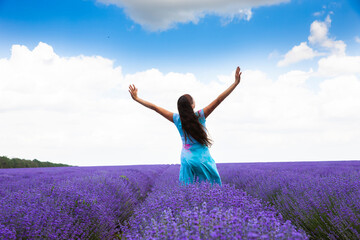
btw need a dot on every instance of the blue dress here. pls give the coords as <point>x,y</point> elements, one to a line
<point>196,161</point>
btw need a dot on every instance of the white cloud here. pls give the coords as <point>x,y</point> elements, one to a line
<point>274,54</point>
<point>320,13</point>
<point>294,78</point>
<point>77,110</point>
<point>357,39</point>
<point>317,14</point>
<point>319,36</point>
<point>245,14</point>
<point>339,65</point>
<point>297,54</point>
<point>165,14</point>
<point>340,98</point>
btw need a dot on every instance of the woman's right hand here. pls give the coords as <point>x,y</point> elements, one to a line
<point>133,91</point>
<point>237,75</point>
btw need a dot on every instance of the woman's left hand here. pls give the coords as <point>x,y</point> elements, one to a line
<point>237,75</point>
<point>133,91</point>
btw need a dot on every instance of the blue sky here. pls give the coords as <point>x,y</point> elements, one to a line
<point>65,67</point>
<point>93,28</point>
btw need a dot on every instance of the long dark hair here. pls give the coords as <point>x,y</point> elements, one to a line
<point>190,123</point>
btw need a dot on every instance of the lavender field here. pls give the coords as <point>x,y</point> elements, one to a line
<point>303,200</point>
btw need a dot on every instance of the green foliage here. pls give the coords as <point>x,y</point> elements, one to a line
<point>125,177</point>
<point>6,162</point>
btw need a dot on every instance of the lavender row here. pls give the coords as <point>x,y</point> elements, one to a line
<point>202,211</point>
<point>71,202</point>
<point>323,198</point>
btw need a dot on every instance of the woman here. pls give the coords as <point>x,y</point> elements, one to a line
<point>196,161</point>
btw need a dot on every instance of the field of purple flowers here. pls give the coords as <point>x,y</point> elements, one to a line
<point>71,202</point>
<point>323,198</point>
<point>307,200</point>
<point>202,211</point>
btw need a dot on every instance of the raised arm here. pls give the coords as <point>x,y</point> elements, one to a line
<point>165,113</point>
<point>222,96</point>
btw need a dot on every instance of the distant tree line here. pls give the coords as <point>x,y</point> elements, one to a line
<point>6,162</point>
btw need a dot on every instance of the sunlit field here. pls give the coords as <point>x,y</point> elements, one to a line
<point>303,200</point>
<point>100,101</point>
